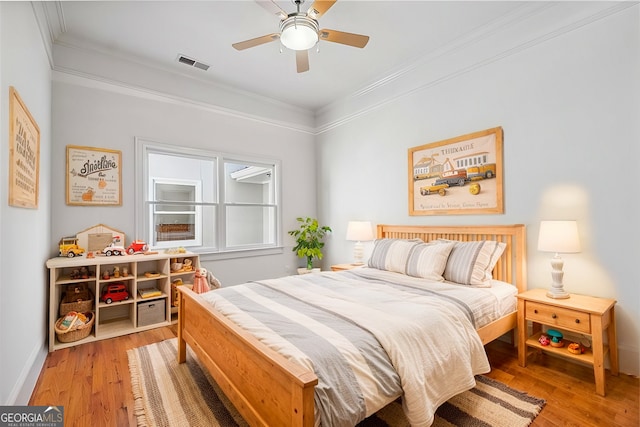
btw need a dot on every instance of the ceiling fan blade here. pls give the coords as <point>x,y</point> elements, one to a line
<point>355,40</point>
<point>318,8</point>
<point>273,8</point>
<point>302,61</point>
<point>256,42</point>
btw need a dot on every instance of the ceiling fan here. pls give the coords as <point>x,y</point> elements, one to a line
<point>300,31</point>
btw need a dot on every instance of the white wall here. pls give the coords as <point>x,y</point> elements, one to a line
<point>99,115</point>
<point>569,107</point>
<point>24,245</point>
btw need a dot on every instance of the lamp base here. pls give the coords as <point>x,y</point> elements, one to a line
<point>558,294</point>
<point>557,290</point>
<point>358,253</point>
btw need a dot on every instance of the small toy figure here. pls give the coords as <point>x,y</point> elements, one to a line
<point>106,275</point>
<point>543,340</point>
<point>200,281</point>
<point>116,272</point>
<point>187,265</point>
<point>556,338</point>
<point>125,271</point>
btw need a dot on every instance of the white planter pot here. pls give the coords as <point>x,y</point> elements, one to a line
<point>305,270</point>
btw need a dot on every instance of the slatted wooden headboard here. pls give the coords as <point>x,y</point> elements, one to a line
<point>512,266</point>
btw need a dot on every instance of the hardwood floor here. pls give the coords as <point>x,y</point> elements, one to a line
<point>92,382</point>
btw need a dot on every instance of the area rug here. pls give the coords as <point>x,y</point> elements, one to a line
<point>170,394</point>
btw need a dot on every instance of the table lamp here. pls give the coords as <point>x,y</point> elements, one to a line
<point>359,231</point>
<point>558,237</point>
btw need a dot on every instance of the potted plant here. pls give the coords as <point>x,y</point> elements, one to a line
<point>309,237</point>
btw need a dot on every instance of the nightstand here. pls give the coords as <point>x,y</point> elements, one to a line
<point>342,267</point>
<point>579,313</point>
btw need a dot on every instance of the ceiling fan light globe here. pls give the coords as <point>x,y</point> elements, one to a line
<point>299,32</point>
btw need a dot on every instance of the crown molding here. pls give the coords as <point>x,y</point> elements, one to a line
<point>467,54</point>
<point>77,78</point>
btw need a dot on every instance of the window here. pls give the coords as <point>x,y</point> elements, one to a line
<point>205,201</point>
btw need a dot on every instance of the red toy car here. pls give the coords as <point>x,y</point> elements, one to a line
<point>114,292</point>
<point>137,246</point>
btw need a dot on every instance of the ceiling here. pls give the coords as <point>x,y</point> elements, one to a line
<point>157,32</point>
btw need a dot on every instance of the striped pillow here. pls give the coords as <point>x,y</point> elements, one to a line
<point>428,260</point>
<point>391,254</point>
<point>471,263</point>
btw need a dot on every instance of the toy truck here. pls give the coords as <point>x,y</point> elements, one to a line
<point>68,246</point>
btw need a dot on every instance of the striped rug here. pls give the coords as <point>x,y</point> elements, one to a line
<point>170,394</point>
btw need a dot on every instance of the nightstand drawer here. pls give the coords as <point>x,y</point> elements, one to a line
<point>560,317</point>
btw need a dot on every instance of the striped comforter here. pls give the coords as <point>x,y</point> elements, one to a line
<point>369,336</point>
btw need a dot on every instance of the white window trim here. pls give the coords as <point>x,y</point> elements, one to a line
<point>197,214</point>
<point>143,146</point>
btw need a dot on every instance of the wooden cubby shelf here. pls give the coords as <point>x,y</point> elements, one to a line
<point>119,317</point>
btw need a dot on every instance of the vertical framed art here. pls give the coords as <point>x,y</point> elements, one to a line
<point>457,176</point>
<point>94,176</point>
<point>24,154</point>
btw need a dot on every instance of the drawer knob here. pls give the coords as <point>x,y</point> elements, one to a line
<point>553,316</point>
<point>535,311</point>
<point>577,320</point>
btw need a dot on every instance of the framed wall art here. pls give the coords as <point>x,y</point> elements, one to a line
<point>24,154</point>
<point>94,176</point>
<point>457,176</point>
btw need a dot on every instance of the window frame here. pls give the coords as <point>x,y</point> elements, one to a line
<point>145,146</point>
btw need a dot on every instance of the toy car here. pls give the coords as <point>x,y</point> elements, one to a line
<point>453,177</point>
<point>68,246</point>
<point>137,246</point>
<point>441,189</point>
<point>114,250</point>
<point>116,291</point>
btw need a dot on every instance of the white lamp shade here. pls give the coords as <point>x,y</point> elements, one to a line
<point>559,237</point>
<point>360,231</point>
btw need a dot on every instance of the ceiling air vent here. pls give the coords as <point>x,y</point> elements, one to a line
<point>192,62</point>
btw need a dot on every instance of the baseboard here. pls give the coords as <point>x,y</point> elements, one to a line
<point>23,389</point>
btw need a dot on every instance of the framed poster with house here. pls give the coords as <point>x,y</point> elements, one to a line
<point>24,154</point>
<point>94,176</point>
<point>457,176</point>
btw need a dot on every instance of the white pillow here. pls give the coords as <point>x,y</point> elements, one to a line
<point>471,263</point>
<point>391,254</point>
<point>428,260</point>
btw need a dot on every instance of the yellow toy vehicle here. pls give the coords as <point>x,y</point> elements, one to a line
<point>441,189</point>
<point>68,246</point>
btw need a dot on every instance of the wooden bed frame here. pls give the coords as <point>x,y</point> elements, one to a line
<point>269,390</point>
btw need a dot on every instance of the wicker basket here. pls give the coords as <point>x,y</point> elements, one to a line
<point>71,335</point>
<point>81,302</point>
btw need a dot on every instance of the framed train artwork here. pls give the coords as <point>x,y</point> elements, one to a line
<point>458,176</point>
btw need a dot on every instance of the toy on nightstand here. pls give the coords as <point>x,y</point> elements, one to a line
<point>575,348</point>
<point>556,338</point>
<point>544,340</point>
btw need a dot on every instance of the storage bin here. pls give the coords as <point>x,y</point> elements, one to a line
<point>150,312</point>
<point>76,332</point>
<point>77,297</point>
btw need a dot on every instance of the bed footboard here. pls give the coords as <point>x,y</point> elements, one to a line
<point>266,388</point>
